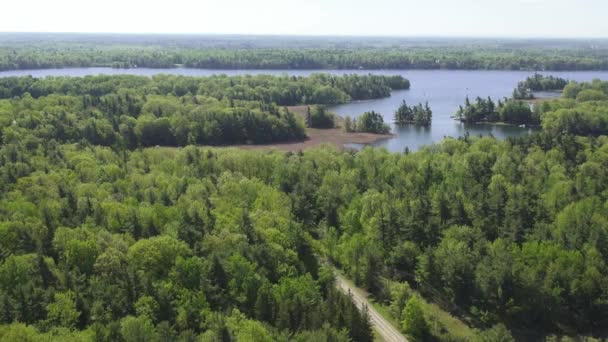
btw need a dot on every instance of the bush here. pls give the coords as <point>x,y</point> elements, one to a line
<point>414,322</point>
<point>319,117</point>
<point>371,122</point>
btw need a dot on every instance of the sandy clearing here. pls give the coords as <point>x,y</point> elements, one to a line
<point>335,136</point>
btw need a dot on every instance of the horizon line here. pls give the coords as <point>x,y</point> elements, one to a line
<point>293,35</point>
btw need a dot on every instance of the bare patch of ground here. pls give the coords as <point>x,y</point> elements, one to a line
<point>333,136</point>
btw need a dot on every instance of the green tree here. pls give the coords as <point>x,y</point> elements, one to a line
<point>137,329</point>
<point>62,311</point>
<point>414,322</point>
<point>498,333</point>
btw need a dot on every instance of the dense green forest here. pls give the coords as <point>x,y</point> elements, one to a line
<point>419,114</point>
<point>537,82</point>
<point>174,110</point>
<point>233,52</point>
<point>159,245</point>
<point>102,241</point>
<point>280,90</point>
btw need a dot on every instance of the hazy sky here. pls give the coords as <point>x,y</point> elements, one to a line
<point>511,18</point>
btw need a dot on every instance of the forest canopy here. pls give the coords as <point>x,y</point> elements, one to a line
<point>136,111</point>
<point>102,242</point>
<point>23,51</point>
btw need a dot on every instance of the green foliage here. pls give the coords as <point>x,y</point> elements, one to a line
<point>400,294</point>
<point>498,333</point>
<point>319,117</point>
<point>133,111</point>
<point>122,94</point>
<point>581,112</point>
<point>538,82</point>
<point>63,312</point>
<point>349,125</point>
<point>414,322</point>
<point>371,122</point>
<point>30,51</point>
<point>485,110</point>
<point>189,243</point>
<point>591,95</point>
<point>572,90</point>
<point>419,114</point>
<point>137,329</point>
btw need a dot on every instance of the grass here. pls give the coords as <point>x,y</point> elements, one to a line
<point>377,337</point>
<point>444,326</point>
<point>383,310</point>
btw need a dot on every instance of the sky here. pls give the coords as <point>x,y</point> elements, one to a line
<point>443,18</point>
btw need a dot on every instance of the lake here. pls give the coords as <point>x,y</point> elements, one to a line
<point>445,90</point>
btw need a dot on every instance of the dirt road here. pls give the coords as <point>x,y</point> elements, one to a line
<point>386,330</point>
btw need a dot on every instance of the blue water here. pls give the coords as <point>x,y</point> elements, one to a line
<point>445,90</point>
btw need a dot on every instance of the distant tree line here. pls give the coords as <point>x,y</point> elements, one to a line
<point>281,90</point>
<point>37,55</point>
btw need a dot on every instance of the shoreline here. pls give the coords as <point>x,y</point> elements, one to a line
<point>316,137</point>
<point>321,69</point>
<point>498,123</point>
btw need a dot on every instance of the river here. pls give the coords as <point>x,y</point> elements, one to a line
<point>445,90</point>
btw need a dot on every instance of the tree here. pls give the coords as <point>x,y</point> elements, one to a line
<point>308,118</point>
<point>137,329</point>
<point>371,122</point>
<point>419,114</point>
<point>414,322</point>
<point>156,255</point>
<point>63,312</point>
<point>400,294</point>
<point>367,332</point>
<point>404,114</point>
<point>320,118</point>
<point>498,333</point>
<point>348,125</point>
<point>264,304</point>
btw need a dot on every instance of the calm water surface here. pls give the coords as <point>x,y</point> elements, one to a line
<point>445,90</point>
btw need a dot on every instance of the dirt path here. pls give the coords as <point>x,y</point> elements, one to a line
<point>385,329</point>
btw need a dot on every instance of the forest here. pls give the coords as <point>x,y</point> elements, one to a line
<point>136,111</point>
<point>104,241</point>
<point>581,110</point>
<point>31,51</point>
